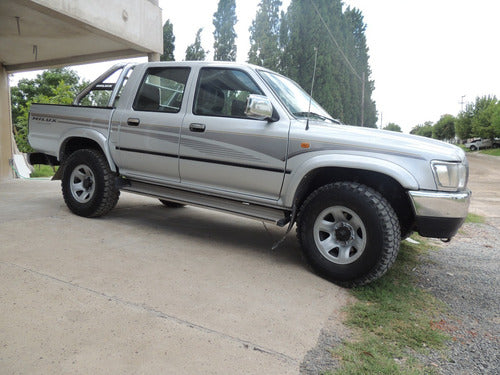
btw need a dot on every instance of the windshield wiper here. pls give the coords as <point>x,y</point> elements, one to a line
<point>316,115</point>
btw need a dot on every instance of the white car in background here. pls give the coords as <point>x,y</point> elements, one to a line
<point>479,143</point>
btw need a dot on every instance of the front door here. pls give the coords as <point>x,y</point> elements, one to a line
<point>222,150</point>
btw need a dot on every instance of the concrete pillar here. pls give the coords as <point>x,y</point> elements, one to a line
<point>5,126</point>
<point>152,57</point>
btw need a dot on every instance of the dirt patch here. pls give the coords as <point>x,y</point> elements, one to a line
<point>464,274</point>
<point>484,181</point>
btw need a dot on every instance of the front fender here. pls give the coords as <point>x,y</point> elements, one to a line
<point>398,173</point>
<point>90,134</point>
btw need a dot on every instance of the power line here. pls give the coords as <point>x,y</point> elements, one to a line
<point>335,41</point>
<point>362,79</point>
<point>462,102</point>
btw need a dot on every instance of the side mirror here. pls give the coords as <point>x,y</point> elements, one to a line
<point>260,108</point>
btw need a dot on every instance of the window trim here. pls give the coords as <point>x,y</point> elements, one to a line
<point>143,80</point>
<point>196,90</point>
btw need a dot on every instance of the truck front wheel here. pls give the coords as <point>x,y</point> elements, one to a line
<point>349,233</point>
<point>88,184</point>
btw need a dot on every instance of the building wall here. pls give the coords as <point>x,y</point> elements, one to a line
<point>69,32</point>
<point>5,126</point>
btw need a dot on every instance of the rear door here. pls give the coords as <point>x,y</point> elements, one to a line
<point>221,149</point>
<point>148,134</point>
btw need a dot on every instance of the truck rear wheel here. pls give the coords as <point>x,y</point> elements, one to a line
<point>349,233</point>
<point>88,184</point>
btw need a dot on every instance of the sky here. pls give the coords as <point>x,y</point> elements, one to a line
<point>426,56</point>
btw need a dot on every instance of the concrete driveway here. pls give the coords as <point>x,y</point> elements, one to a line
<point>151,290</point>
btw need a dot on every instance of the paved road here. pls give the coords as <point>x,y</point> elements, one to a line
<point>150,290</point>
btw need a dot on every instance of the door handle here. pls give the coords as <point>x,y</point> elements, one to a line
<point>199,128</point>
<point>133,121</point>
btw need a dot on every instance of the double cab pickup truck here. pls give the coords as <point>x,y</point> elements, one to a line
<point>245,140</point>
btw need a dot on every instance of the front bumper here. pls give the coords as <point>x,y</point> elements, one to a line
<point>439,214</point>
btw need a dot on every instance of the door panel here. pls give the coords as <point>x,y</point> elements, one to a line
<point>148,134</point>
<point>223,150</point>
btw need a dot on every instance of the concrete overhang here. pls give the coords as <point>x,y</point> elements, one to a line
<point>36,34</point>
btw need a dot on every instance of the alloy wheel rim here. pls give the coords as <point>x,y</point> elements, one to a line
<point>82,183</point>
<point>339,235</point>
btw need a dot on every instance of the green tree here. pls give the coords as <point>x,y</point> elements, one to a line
<point>444,129</point>
<point>168,42</point>
<point>358,51</point>
<point>224,34</point>
<point>495,120</point>
<point>284,41</point>
<point>393,127</point>
<point>55,86</point>
<point>424,130</point>
<point>264,35</point>
<point>482,125</point>
<point>463,125</point>
<point>338,82</point>
<point>43,84</point>
<point>195,52</point>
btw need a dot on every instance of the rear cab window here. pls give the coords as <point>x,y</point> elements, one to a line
<point>162,90</point>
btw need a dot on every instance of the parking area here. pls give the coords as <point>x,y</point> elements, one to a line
<point>150,290</point>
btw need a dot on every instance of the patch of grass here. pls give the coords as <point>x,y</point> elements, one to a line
<point>473,218</point>
<point>392,318</point>
<point>491,151</point>
<point>463,147</point>
<point>41,170</point>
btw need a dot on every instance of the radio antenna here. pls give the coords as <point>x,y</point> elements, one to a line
<point>312,87</point>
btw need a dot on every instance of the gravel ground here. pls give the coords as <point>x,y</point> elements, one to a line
<point>464,274</point>
<point>320,359</point>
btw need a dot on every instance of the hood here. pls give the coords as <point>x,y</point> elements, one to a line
<point>371,140</point>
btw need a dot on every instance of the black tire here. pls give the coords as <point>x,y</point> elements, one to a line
<point>88,184</point>
<point>171,204</point>
<point>364,233</point>
<point>473,148</point>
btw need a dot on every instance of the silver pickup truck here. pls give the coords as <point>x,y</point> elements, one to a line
<point>245,140</point>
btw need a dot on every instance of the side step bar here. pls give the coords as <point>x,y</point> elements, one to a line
<point>273,215</point>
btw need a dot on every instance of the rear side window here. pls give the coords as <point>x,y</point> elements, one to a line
<point>162,90</point>
<point>223,92</point>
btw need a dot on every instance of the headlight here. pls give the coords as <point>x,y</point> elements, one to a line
<point>449,176</point>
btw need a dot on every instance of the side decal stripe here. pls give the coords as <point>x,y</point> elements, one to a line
<point>220,162</point>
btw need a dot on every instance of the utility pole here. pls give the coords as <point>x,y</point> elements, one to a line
<point>363,99</point>
<point>462,103</point>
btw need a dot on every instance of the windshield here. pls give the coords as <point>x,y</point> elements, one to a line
<point>295,99</point>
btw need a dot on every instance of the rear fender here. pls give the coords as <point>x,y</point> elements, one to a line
<point>90,134</point>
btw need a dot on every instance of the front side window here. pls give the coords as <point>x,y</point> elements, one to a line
<point>223,92</point>
<point>162,90</point>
